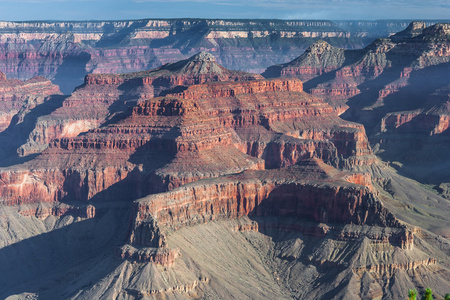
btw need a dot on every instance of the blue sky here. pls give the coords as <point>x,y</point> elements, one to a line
<point>279,9</point>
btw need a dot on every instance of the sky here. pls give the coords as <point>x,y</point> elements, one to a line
<point>25,10</point>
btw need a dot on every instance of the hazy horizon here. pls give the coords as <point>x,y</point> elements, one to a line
<point>101,10</point>
<point>237,19</point>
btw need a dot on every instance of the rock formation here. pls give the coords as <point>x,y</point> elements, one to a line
<point>380,69</point>
<point>18,96</point>
<point>294,192</point>
<point>318,59</point>
<point>79,48</point>
<point>257,155</point>
<point>104,96</point>
<point>206,130</point>
<point>397,87</point>
<point>21,102</point>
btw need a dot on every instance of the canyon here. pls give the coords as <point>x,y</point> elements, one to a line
<point>397,87</point>
<point>67,51</point>
<point>192,181</point>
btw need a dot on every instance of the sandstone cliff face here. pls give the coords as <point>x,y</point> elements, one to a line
<point>416,121</point>
<point>205,131</point>
<point>295,193</point>
<point>106,95</point>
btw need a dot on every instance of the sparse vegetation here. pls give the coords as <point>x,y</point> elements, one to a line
<point>428,294</point>
<point>412,294</point>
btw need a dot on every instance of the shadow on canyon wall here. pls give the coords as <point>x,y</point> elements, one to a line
<point>421,84</point>
<point>71,72</point>
<point>20,128</point>
<point>81,251</point>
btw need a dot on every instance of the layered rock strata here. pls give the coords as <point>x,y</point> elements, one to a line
<point>22,96</point>
<point>79,48</point>
<point>381,69</point>
<point>305,192</point>
<point>103,96</point>
<point>205,131</point>
<point>236,176</point>
<point>397,87</point>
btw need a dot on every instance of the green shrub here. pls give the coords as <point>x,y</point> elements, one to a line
<point>428,294</point>
<point>412,294</point>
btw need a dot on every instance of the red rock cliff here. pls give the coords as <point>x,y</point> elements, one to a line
<point>208,130</point>
<point>258,194</point>
<point>105,95</point>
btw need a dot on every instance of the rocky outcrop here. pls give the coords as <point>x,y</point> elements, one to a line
<point>197,69</point>
<point>415,121</point>
<point>163,257</point>
<point>44,210</point>
<point>352,72</point>
<point>379,236</point>
<point>56,183</point>
<point>414,29</point>
<point>104,96</point>
<point>22,96</point>
<point>300,193</point>
<point>205,131</point>
<point>318,59</point>
<point>389,270</point>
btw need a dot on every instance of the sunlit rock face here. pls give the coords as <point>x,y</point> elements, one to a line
<point>104,95</point>
<point>206,130</point>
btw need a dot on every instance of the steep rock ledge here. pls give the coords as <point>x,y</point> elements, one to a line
<point>208,130</point>
<point>105,96</point>
<point>305,192</point>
